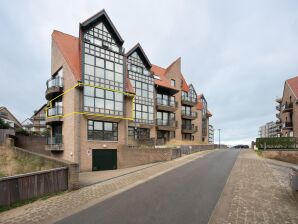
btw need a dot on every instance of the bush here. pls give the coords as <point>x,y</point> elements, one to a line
<point>276,143</point>
<point>3,124</point>
<point>22,131</point>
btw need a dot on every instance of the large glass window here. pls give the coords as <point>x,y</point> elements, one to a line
<point>102,130</point>
<point>103,66</point>
<point>143,84</point>
<point>103,101</point>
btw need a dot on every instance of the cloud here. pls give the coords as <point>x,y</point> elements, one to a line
<point>238,53</point>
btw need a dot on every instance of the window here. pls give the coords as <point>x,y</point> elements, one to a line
<point>143,83</point>
<point>173,82</point>
<point>101,130</point>
<point>103,101</point>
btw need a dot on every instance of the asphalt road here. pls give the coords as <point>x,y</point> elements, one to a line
<point>185,195</point>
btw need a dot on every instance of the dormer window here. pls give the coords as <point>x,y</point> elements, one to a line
<point>173,82</point>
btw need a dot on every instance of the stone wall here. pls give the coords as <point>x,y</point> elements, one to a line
<point>188,149</point>
<point>286,156</point>
<point>129,157</point>
<point>32,143</point>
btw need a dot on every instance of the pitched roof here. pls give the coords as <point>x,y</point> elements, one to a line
<point>293,84</point>
<point>102,15</point>
<point>16,121</point>
<point>69,47</point>
<point>37,111</point>
<point>185,87</point>
<point>138,48</point>
<point>199,105</point>
<point>163,80</point>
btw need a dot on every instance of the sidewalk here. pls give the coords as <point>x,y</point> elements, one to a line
<point>54,208</point>
<point>89,178</point>
<point>254,194</point>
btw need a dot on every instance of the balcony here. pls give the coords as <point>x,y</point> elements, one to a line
<point>278,100</point>
<point>189,115</point>
<point>54,143</point>
<point>189,129</point>
<point>277,115</point>
<point>166,125</point>
<point>54,114</point>
<point>39,117</point>
<point>54,87</point>
<point>186,100</point>
<point>166,105</point>
<point>288,107</point>
<point>287,125</point>
<point>278,107</point>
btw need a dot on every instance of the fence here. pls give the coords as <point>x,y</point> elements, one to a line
<point>25,186</point>
<point>30,185</point>
<point>4,133</point>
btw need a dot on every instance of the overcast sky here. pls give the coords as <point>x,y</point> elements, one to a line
<point>238,53</point>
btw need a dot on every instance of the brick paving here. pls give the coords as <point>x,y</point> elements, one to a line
<point>253,194</point>
<point>47,211</point>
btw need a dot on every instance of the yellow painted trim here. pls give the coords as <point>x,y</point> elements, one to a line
<point>49,106</point>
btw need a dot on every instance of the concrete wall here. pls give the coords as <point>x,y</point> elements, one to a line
<point>129,157</point>
<point>32,143</point>
<point>188,149</point>
<point>286,156</point>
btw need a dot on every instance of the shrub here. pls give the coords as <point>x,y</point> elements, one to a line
<point>3,124</point>
<point>22,131</point>
<point>276,143</point>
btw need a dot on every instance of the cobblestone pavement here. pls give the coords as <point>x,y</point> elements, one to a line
<point>253,194</point>
<point>51,209</point>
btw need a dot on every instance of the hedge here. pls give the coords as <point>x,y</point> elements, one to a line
<point>276,143</point>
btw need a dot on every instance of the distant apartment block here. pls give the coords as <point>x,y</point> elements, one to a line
<point>101,97</point>
<point>287,109</point>
<point>270,129</point>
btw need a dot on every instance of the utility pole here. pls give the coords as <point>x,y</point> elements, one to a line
<point>219,138</point>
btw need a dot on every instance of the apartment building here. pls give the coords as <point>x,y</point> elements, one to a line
<point>287,110</point>
<point>100,97</point>
<point>9,118</point>
<point>270,129</point>
<point>39,120</point>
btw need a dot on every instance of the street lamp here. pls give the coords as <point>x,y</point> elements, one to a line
<point>219,138</point>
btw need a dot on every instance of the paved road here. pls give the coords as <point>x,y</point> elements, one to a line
<point>187,194</point>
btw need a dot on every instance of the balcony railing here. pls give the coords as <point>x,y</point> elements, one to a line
<point>165,102</point>
<point>288,124</point>
<point>189,128</point>
<point>189,100</point>
<point>169,123</point>
<point>54,140</point>
<point>55,82</point>
<point>288,107</point>
<point>189,114</point>
<point>278,107</point>
<point>54,111</point>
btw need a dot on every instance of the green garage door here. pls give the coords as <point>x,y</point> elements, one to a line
<point>104,159</point>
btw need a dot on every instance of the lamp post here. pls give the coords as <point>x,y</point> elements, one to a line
<point>219,138</point>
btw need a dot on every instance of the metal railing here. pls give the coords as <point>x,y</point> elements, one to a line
<point>189,113</point>
<point>166,102</point>
<point>54,140</point>
<point>55,82</point>
<point>57,110</point>
<point>170,123</point>
<point>189,99</point>
<point>189,127</point>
